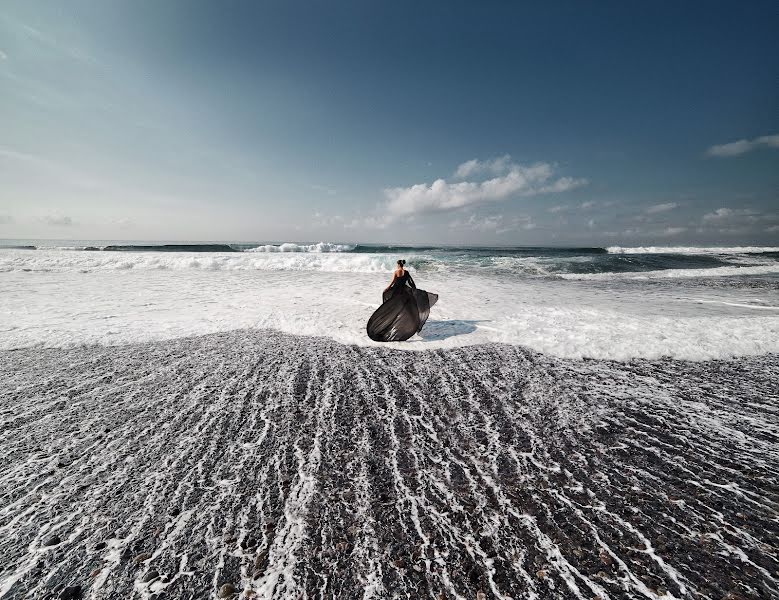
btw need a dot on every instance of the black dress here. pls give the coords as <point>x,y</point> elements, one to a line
<point>403,312</point>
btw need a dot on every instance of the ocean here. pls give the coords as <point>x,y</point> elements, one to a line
<point>201,420</point>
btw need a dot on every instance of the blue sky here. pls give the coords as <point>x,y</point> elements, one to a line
<point>408,122</point>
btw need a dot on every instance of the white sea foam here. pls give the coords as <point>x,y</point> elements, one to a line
<point>292,247</point>
<point>679,273</point>
<point>52,260</point>
<point>692,250</point>
<point>111,304</point>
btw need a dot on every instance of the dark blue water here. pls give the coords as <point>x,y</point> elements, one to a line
<point>529,260</point>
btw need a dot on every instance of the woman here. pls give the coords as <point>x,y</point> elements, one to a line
<point>404,310</point>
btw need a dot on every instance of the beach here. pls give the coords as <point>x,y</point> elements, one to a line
<point>570,423</point>
<point>284,467</point>
<point>389,301</point>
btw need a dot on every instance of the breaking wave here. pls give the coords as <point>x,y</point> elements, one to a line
<point>292,247</point>
<point>692,250</point>
<point>679,273</point>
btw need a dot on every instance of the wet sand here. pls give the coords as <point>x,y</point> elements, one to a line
<point>278,466</point>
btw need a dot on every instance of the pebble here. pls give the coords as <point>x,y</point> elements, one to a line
<point>52,541</point>
<point>150,576</point>
<point>72,592</point>
<point>226,590</point>
<point>261,556</point>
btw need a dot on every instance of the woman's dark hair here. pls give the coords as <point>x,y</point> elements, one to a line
<point>401,262</point>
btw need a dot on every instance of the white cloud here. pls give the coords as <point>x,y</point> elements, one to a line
<point>673,230</point>
<point>488,223</point>
<point>559,208</point>
<point>658,208</point>
<point>743,146</point>
<point>726,214</point>
<point>58,220</point>
<point>473,167</point>
<point>442,196</point>
<point>587,205</point>
<point>3,55</point>
<point>738,220</point>
<point>772,229</point>
<point>496,223</point>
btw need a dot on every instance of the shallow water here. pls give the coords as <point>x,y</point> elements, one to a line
<point>58,298</point>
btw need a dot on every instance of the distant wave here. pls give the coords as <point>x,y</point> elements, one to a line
<point>293,247</point>
<point>136,248</point>
<point>216,247</point>
<point>323,247</point>
<point>172,248</point>
<point>691,250</point>
<point>43,261</point>
<point>677,273</point>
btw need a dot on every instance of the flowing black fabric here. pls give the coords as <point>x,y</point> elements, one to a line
<point>403,312</point>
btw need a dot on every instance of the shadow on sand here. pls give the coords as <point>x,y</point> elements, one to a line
<point>440,330</point>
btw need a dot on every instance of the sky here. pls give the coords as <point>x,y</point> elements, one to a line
<point>490,123</point>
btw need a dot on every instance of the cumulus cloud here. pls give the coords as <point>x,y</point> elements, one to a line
<point>495,166</point>
<point>743,146</point>
<point>738,220</point>
<point>440,196</point>
<point>659,208</point>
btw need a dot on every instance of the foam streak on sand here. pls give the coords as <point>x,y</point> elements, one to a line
<point>288,466</point>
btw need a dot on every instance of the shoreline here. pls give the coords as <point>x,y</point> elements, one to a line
<point>280,464</point>
<point>409,347</point>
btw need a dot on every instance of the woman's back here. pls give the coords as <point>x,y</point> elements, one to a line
<point>402,278</point>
